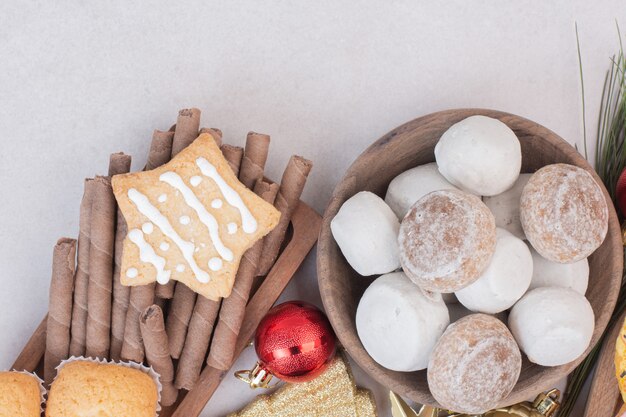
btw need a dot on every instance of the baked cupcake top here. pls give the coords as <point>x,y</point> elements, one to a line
<point>20,395</point>
<point>85,388</point>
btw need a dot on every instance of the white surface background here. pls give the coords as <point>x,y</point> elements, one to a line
<point>324,78</point>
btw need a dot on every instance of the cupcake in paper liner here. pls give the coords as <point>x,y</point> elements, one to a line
<point>87,386</point>
<point>22,394</point>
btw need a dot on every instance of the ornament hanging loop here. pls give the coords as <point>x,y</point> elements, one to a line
<point>547,403</point>
<point>258,377</point>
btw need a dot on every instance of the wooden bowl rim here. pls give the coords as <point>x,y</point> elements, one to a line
<point>546,377</point>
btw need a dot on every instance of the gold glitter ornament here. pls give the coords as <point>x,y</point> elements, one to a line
<point>399,408</point>
<point>332,394</point>
<point>545,405</point>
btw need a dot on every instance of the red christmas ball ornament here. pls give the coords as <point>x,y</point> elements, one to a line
<point>294,342</point>
<point>620,193</point>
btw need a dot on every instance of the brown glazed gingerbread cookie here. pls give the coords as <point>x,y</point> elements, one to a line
<point>446,240</point>
<point>564,213</point>
<point>475,365</point>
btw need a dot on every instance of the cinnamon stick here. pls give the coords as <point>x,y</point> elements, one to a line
<point>100,269</point>
<point>60,306</point>
<point>119,163</point>
<point>178,318</point>
<point>221,354</point>
<point>215,132</point>
<point>288,198</point>
<point>197,342</point>
<point>81,280</point>
<point>187,126</point>
<point>233,155</point>
<point>141,297</point>
<point>254,158</point>
<point>157,353</point>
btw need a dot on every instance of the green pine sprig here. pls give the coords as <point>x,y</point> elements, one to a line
<point>610,161</point>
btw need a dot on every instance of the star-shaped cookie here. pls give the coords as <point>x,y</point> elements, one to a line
<point>189,220</point>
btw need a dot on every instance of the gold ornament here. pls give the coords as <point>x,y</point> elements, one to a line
<point>620,360</point>
<point>332,394</point>
<point>399,408</point>
<point>545,405</point>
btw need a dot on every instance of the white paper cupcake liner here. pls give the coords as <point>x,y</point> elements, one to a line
<point>130,364</point>
<point>42,389</point>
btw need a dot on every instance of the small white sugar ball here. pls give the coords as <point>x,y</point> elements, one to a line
<point>552,325</point>
<point>479,154</point>
<point>408,187</point>
<point>398,324</point>
<point>505,280</point>
<point>366,230</point>
<point>547,273</point>
<point>505,207</point>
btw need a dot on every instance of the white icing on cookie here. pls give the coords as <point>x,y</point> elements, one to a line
<point>147,209</point>
<point>132,272</point>
<point>205,217</point>
<point>248,222</point>
<point>195,180</point>
<point>180,268</point>
<point>162,198</point>
<point>232,228</point>
<point>215,264</point>
<point>147,254</point>
<point>217,203</point>
<point>147,228</point>
<point>164,246</point>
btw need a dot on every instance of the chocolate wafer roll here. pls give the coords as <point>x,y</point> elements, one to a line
<point>288,198</point>
<point>141,297</point>
<point>157,353</point>
<point>183,303</point>
<point>60,306</point>
<point>160,153</point>
<point>233,155</point>
<point>254,158</point>
<point>178,318</point>
<point>234,307</point>
<point>160,149</point>
<point>119,163</point>
<point>187,126</point>
<point>197,342</point>
<point>81,280</point>
<point>215,132</point>
<point>103,212</point>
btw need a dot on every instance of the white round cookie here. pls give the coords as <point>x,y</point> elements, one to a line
<point>480,155</point>
<point>505,207</point>
<point>552,325</point>
<point>505,280</point>
<point>366,230</point>
<point>398,325</point>
<point>408,187</point>
<point>547,273</point>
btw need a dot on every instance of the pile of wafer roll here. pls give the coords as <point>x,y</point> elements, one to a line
<point>168,327</point>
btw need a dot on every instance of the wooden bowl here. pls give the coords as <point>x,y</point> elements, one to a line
<point>413,144</point>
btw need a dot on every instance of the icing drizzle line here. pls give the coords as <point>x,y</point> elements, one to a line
<point>206,218</point>
<point>248,222</point>
<point>154,215</point>
<point>147,254</point>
